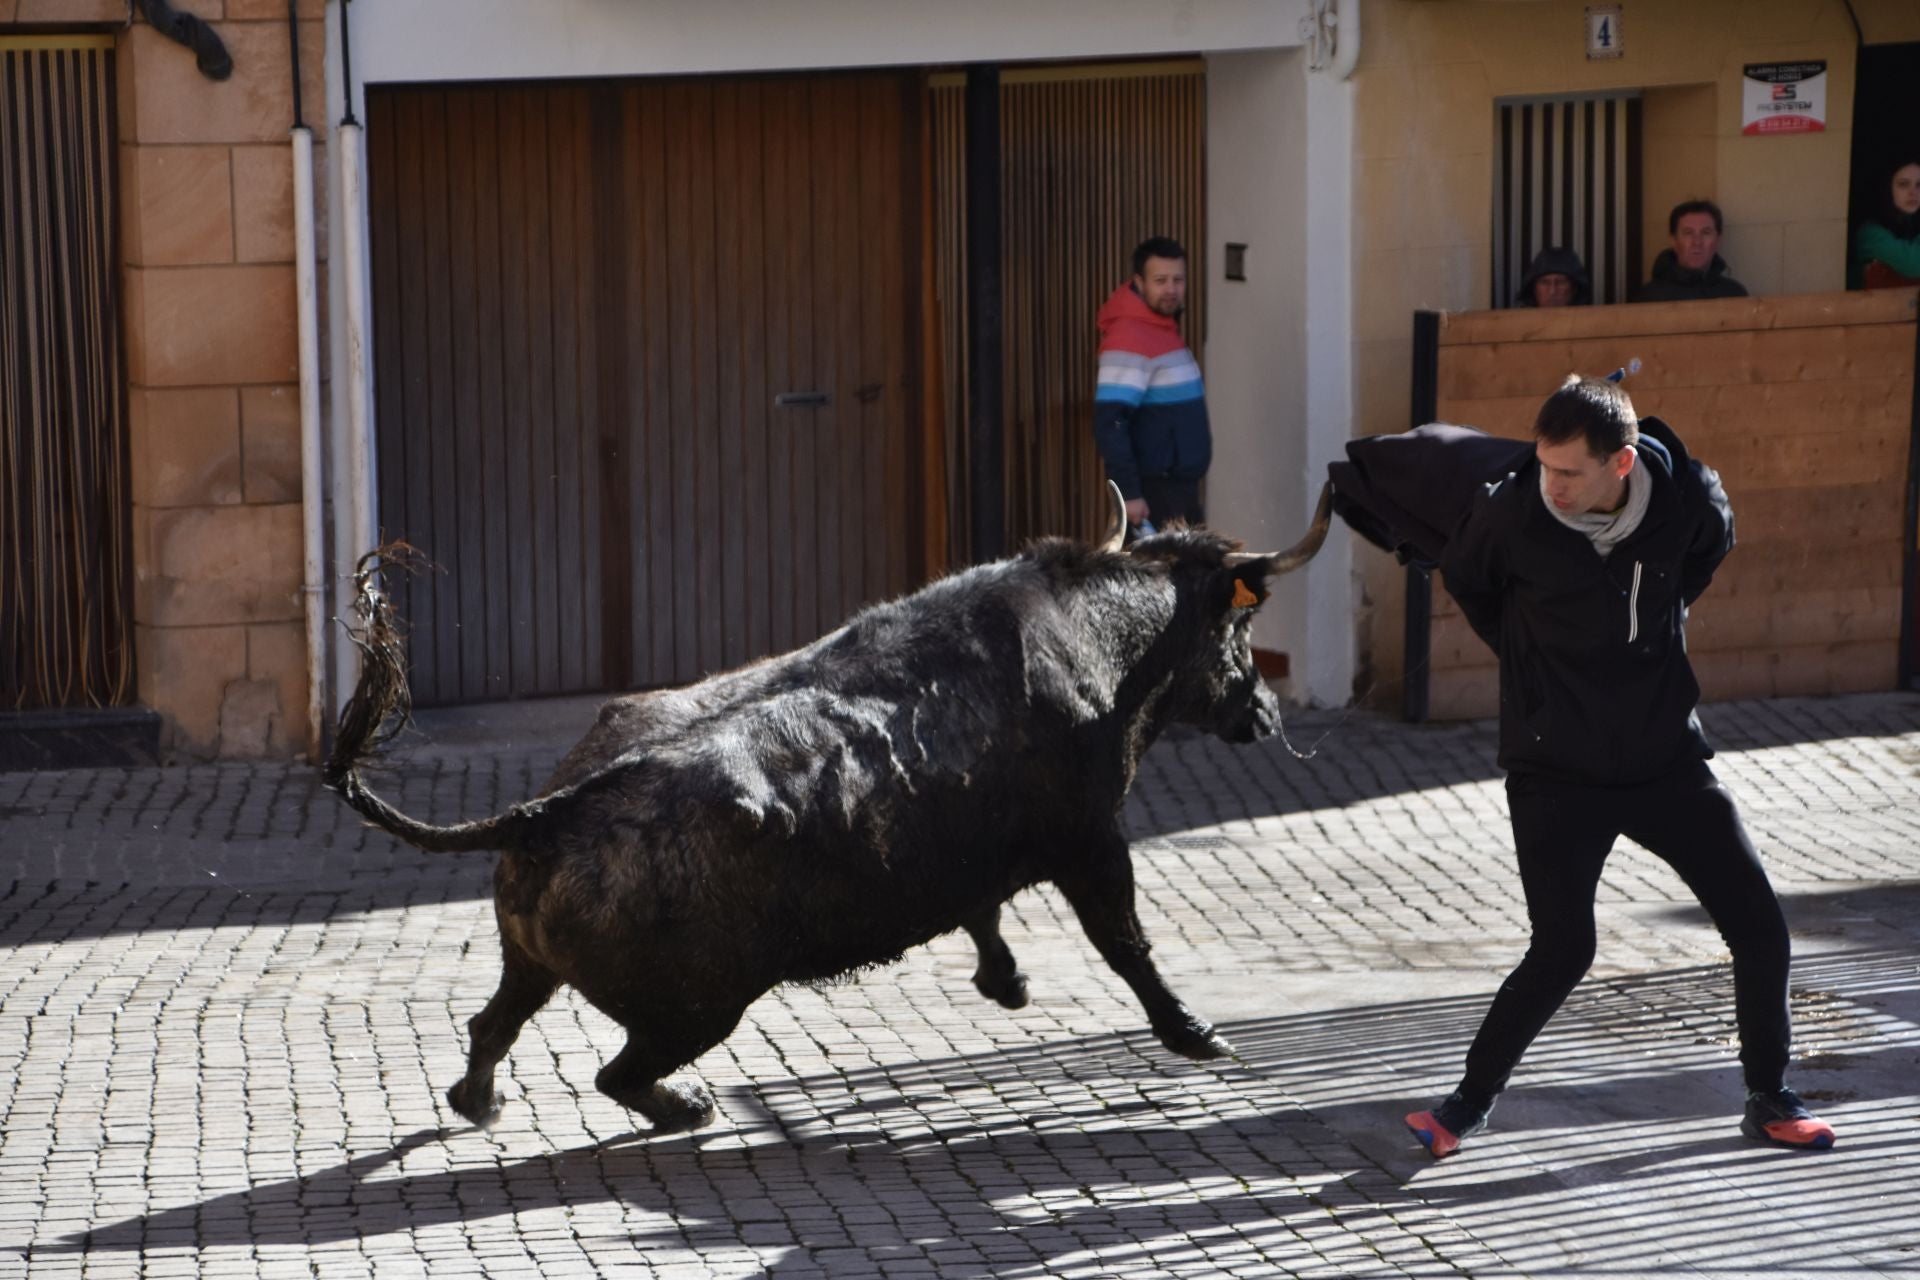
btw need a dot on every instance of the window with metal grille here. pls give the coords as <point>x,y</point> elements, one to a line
<point>1566,173</point>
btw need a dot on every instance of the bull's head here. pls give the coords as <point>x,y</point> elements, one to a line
<point>1219,687</point>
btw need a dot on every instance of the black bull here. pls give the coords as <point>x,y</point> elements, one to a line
<point>825,810</point>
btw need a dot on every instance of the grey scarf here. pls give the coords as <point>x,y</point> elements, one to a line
<point>1607,529</point>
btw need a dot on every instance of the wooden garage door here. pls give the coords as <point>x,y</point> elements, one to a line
<point>646,360</point>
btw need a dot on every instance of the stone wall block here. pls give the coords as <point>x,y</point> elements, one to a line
<point>276,11</point>
<point>132,251</point>
<point>196,326</point>
<point>1449,200</point>
<point>1382,214</point>
<point>270,434</point>
<point>1454,109</point>
<point>263,203</point>
<point>1383,113</point>
<point>69,11</point>
<point>133,333</point>
<point>184,214</point>
<point>220,565</point>
<point>178,104</point>
<point>277,657</point>
<point>252,719</point>
<point>186,446</point>
<point>184,673</point>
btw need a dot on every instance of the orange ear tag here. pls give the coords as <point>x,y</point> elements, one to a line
<point>1243,598</point>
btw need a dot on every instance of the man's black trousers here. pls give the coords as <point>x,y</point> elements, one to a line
<point>1563,833</point>
<point>1170,500</point>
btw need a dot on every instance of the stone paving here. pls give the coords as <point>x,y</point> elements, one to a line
<point>228,1012</point>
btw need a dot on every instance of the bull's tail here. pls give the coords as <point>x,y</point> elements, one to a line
<point>378,712</point>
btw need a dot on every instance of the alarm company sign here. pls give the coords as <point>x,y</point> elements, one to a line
<point>1784,97</point>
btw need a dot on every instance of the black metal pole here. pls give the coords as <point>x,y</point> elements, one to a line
<point>1418,630</point>
<point>985,450</point>
<point>293,56</point>
<point>346,64</point>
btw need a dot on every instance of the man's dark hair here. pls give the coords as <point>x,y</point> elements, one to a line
<point>1686,207</point>
<point>1592,408</point>
<point>1156,247</point>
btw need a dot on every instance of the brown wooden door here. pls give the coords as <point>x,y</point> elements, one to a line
<point>647,368</point>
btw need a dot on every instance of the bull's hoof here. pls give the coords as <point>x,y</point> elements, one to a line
<point>675,1106</point>
<point>1008,990</point>
<point>1195,1040</point>
<point>463,1099</point>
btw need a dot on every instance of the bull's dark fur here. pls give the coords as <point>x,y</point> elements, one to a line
<point>827,809</point>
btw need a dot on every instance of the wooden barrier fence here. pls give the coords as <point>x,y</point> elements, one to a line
<point>1804,404</point>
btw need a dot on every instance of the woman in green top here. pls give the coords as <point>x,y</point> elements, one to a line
<point>1886,252</point>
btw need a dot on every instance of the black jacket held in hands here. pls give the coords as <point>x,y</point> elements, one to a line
<point>1595,685</point>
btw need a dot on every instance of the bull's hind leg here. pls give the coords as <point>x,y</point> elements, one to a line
<point>1101,893</point>
<point>667,1042</point>
<point>998,976</point>
<point>525,985</point>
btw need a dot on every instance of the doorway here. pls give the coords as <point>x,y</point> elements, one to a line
<point>647,364</point>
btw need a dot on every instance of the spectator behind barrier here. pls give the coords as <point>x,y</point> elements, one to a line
<point>1693,267</point>
<point>1886,249</point>
<point>1556,278</point>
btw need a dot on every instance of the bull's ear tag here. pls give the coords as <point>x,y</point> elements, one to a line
<point>1243,598</point>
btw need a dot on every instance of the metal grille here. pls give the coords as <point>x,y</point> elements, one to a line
<point>1567,174</point>
<point>1093,160</point>
<point>66,583</point>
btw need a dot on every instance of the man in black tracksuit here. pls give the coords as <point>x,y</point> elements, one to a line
<point>1577,569</point>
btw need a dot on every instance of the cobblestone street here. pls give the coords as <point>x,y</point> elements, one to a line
<point>228,1013</point>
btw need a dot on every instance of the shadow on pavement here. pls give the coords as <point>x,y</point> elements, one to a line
<point>1622,1126</point>
<point>220,840</point>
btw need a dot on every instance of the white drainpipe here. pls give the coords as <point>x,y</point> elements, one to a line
<point>1346,38</point>
<point>1331,648</point>
<point>312,501</point>
<point>353,499</point>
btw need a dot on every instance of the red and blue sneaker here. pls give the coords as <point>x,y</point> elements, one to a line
<point>1778,1116</point>
<point>1441,1129</point>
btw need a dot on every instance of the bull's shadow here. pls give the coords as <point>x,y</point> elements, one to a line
<point>110,852</point>
<point>1029,1150</point>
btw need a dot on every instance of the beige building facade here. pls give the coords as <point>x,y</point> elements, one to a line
<point>207,318</point>
<point>1431,76</point>
<point>1366,191</point>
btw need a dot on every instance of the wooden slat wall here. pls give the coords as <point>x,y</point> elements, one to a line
<point>1803,405</point>
<point>586,298</point>
<point>1094,159</point>
<point>66,575</point>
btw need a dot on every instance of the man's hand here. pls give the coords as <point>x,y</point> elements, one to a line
<point>1136,510</point>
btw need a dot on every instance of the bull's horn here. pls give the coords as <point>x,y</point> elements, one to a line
<point>1118,537</point>
<point>1300,552</point>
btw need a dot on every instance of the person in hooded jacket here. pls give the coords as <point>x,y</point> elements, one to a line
<point>1693,268</point>
<point>1886,250</point>
<point>1149,406</point>
<point>1577,569</point>
<point>1555,278</point>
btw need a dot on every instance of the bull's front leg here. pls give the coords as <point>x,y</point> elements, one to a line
<point>998,976</point>
<point>1100,891</point>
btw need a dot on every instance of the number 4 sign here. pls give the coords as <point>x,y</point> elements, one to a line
<point>1603,32</point>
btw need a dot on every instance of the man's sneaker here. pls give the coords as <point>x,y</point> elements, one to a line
<point>1441,1129</point>
<point>1778,1116</point>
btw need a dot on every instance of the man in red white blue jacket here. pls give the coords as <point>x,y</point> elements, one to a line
<point>1150,408</point>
